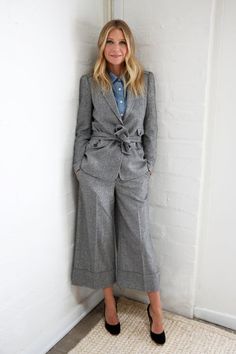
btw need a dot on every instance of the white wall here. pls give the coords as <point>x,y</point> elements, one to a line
<point>45,47</point>
<point>172,41</point>
<point>216,286</point>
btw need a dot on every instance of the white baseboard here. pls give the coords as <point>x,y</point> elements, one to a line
<point>222,319</point>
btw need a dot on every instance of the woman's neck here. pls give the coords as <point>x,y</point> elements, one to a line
<point>116,70</point>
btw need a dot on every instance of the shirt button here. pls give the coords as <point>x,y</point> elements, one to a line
<point>119,89</point>
<point>121,101</point>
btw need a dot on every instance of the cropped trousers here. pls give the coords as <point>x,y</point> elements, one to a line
<point>112,241</point>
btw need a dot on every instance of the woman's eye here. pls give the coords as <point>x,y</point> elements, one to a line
<point>110,41</point>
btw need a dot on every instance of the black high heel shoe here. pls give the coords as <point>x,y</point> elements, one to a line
<point>113,329</point>
<point>158,338</point>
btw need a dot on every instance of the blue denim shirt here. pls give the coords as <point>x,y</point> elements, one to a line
<point>119,92</point>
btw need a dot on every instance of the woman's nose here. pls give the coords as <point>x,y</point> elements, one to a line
<point>116,45</point>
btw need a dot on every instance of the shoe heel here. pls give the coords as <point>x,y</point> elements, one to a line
<point>158,338</point>
<point>112,329</point>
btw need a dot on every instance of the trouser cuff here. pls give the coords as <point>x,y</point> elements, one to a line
<point>138,281</point>
<point>94,280</point>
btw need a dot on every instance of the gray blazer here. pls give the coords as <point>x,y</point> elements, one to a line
<point>106,143</point>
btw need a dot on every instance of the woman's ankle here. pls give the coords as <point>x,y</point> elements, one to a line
<point>109,296</point>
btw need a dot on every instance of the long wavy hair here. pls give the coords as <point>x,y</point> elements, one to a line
<point>133,71</point>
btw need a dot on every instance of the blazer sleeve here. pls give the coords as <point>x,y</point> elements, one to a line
<point>150,124</point>
<point>84,118</point>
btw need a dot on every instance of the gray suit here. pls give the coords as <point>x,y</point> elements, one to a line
<point>114,157</point>
<point>107,144</point>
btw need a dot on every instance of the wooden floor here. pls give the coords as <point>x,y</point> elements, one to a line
<point>86,324</point>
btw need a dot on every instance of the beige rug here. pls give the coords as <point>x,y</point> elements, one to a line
<point>183,336</point>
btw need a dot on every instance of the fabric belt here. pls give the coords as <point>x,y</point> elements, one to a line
<point>121,134</point>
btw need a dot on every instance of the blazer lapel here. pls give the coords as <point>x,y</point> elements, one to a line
<point>110,98</point>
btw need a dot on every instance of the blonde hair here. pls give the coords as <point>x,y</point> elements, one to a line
<point>133,70</point>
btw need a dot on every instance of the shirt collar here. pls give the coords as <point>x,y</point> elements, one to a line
<point>114,77</point>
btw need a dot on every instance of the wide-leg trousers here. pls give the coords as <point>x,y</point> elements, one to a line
<point>113,242</point>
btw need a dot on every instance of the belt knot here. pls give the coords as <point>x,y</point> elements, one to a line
<point>123,135</point>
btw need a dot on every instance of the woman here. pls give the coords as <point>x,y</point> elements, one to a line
<point>114,155</point>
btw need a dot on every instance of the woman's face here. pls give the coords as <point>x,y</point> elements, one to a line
<point>115,49</point>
